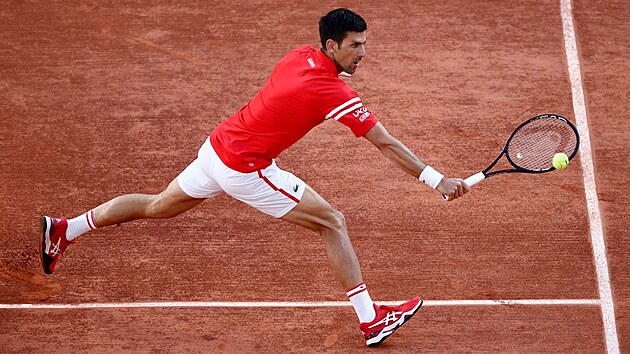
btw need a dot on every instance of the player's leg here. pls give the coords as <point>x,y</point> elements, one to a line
<point>283,195</point>
<point>171,202</point>
<point>190,188</point>
<point>377,322</point>
<point>316,214</point>
<point>58,233</point>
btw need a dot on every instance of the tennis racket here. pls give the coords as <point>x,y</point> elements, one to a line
<point>532,145</point>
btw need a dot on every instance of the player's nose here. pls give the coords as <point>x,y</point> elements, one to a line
<point>361,52</point>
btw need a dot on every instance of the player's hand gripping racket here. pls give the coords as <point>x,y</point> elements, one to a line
<point>532,145</point>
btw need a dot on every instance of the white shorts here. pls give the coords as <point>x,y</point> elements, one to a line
<point>271,190</point>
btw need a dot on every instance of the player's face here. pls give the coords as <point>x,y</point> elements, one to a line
<point>349,54</point>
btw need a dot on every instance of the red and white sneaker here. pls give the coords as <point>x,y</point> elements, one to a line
<point>54,241</point>
<point>387,320</point>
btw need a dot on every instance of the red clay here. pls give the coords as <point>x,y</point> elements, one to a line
<point>99,101</point>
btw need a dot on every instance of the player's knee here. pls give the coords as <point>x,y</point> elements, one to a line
<point>336,221</point>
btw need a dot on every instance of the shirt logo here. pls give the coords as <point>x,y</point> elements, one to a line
<point>295,189</point>
<point>359,111</point>
<point>364,116</point>
<point>311,62</point>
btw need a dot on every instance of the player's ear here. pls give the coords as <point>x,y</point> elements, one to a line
<point>331,46</point>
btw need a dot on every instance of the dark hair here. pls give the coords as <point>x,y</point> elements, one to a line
<point>336,23</point>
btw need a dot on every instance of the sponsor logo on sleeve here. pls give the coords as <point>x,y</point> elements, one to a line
<point>361,113</point>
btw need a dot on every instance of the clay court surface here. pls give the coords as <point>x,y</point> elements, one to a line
<point>99,99</point>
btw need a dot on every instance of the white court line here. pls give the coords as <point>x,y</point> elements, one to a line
<point>299,304</point>
<point>586,158</point>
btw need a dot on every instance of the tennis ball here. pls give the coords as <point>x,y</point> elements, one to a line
<point>560,161</point>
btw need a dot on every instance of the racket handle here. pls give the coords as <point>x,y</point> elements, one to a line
<point>474,179</point>
<point>471,181</point>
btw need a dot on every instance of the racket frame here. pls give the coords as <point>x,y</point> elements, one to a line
<point>519,169</point>
<point>480,176</point>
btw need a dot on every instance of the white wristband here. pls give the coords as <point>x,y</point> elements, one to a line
<point>431,177</point>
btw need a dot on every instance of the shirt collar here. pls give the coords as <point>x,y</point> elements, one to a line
<point>326,62</point>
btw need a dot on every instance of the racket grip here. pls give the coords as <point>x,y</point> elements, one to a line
<point>471,181</point>
<point>474,179</point>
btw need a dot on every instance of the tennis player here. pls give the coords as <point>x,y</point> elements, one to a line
<point>303,91</point>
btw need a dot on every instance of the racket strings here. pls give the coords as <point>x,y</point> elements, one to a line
<point>533,146</point>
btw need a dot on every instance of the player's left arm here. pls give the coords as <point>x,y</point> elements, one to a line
<point>404,158</point>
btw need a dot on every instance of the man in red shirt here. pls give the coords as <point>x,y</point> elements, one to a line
<point>303,91</point>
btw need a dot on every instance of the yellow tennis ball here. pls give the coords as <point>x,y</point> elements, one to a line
<point>560,161</point>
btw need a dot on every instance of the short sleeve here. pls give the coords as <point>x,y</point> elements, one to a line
<point>346,107</point>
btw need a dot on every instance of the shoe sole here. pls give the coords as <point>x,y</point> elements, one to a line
<point>388,331</point>
<point>44,227</point>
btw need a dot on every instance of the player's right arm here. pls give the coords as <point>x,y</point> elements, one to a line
<point>404,158</point>
<point>341,103</point>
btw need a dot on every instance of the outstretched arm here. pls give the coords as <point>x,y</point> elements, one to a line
<point>397,152</point>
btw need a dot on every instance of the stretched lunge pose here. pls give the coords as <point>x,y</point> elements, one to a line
<point>303,91</point>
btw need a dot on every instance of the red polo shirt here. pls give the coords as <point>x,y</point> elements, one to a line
<point>303,91</point>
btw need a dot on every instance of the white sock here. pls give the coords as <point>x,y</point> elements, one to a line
<point>362,303</point>
<point>80,225</point>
